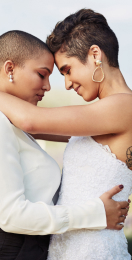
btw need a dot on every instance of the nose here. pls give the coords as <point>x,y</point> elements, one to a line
<point>47,86</point>
<point>68,84</point>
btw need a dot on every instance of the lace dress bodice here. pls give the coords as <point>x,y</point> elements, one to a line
<point>90,169</point>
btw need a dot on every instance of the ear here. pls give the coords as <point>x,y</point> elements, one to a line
<point>96,53</point>
<point>8,67</point>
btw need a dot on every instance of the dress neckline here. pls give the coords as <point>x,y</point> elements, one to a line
<point>108,150</point>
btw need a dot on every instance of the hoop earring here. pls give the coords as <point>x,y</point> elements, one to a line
<point>99,66</point>
<point>11,78</point>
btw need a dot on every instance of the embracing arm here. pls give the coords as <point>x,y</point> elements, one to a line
<point>105,116</point>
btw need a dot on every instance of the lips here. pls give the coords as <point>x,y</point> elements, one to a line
<point>77,89</point>
<point>40,97</point>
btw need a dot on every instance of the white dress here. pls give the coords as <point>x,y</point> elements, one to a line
<point>90,169</point>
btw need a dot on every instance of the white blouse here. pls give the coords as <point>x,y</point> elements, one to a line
<point>29,178</point>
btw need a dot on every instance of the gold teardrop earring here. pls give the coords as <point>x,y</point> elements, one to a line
<point>99,66</point>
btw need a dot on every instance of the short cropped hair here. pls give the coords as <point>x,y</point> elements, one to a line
<point>79,31</point>
<point>19,46</point>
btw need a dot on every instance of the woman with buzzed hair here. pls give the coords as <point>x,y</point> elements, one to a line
<point>29,177</point>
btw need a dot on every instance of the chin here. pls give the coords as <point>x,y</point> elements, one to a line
<point>35,103</point>
<point>88,98</point>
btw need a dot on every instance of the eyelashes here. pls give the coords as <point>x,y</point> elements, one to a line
<point>40,75</point>
<point>68,71</point>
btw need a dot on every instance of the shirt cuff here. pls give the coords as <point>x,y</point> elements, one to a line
<point>90,215</point>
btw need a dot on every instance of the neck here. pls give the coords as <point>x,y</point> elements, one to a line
<point>113,83</point>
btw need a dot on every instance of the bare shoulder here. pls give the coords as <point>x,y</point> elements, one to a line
<point>118,99</point>
<point>114,112</point>
<point>119,102</point>
<point>122,97</point>
<point>122,103</point>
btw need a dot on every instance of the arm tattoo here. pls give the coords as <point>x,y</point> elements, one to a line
<point>129,157</point>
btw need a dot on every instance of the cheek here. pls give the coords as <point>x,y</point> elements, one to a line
<point>23,80</point>
<point>88,76</point>
<point>29,78</point>
<point>31,82</point>
<point>84,74</point>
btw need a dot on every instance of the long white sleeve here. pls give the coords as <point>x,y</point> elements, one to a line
<point>19,215</point>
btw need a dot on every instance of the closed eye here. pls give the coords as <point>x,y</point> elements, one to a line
<point>68,72</point>
<point>41,76</point>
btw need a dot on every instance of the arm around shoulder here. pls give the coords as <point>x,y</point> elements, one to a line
<point>108,115</point>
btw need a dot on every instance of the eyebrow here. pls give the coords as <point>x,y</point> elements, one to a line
<point>46,69</point>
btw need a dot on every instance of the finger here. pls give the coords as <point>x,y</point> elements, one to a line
<point>124,212</point>
<point>122,219</point>
<point>119,227</point>
<point>114,191</point>
<point>123,204</point>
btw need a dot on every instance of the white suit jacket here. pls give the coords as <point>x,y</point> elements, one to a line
<point>29,178</point>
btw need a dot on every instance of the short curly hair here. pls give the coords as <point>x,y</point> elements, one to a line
<point>79,31</point>
<point>20,46</point>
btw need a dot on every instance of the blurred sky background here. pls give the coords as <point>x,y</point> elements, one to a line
<point>39,17</point>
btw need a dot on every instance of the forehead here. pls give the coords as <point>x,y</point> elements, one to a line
<point>46,59</point>
<point>62,61</point>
